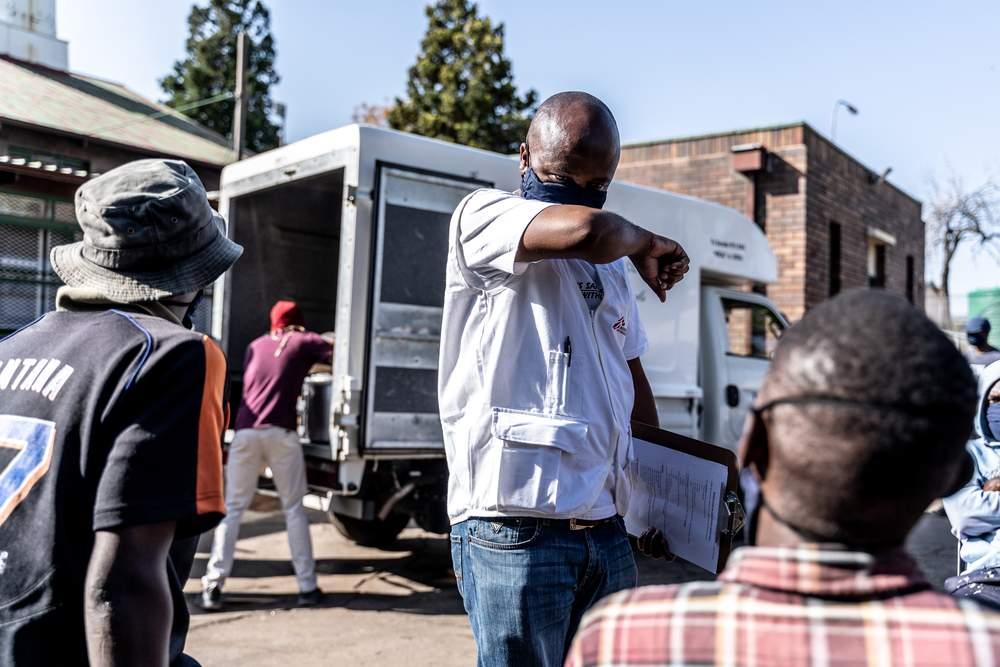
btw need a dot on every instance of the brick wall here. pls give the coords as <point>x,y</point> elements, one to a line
<point>841,190</point>
<point>809,183</point>
<point>703,167</point>
<point>784,214</point>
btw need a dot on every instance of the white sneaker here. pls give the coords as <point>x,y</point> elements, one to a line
<point>211,597</point>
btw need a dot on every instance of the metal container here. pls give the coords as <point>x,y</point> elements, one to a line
<point>314,409</point>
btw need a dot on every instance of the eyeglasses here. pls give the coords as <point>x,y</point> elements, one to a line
<point>832,399</point>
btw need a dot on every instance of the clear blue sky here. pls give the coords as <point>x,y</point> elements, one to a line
<point>924,75</point>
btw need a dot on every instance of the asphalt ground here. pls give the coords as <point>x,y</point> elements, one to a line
<point>388,608</point>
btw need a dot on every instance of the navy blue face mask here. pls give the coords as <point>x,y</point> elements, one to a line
<point>193,308</point>
<point>560,193</point>
<point>993,421</point>
<point>754,503</point>
<point>976,339</point>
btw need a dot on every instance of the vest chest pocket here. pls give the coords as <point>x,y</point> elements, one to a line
<point>531,450</point>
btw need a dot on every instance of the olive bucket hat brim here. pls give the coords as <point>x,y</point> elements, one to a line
<point>194,273</point>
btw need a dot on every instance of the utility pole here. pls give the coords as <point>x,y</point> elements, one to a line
<point>281,111</point>
<point>242,95</point>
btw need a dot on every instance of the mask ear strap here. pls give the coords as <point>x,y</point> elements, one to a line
<point>798,530</point>
<point>760,433</point>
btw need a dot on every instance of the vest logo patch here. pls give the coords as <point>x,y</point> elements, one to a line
<point>620,327</point>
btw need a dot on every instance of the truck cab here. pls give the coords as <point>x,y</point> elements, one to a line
<point>353,225</point>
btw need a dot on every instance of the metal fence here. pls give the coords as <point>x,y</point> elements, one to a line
<point>29,227</point>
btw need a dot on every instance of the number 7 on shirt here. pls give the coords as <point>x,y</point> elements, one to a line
<point>33,440</point>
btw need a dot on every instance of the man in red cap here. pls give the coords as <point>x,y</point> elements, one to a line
<point>273,371</point>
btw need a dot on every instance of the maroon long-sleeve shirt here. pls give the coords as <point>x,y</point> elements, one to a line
<point>273,371</point>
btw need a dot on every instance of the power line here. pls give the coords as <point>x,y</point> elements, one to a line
<point>169,112</point>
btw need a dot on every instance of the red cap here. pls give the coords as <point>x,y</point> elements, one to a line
<point>286,314</point>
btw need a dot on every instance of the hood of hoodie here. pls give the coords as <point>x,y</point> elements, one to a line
<point>988,377</point>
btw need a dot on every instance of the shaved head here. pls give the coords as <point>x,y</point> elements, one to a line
<point>573,135</point>
<point>872,408</point>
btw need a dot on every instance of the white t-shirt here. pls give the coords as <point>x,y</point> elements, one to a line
<point>534,388</point>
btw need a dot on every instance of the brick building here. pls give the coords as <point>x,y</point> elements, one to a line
<point>832,222</point>
<point>57,129</point>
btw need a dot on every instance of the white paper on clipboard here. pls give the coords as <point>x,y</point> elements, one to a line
<point>681,495</point>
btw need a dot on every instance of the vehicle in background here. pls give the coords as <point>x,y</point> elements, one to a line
<point>353,225</point>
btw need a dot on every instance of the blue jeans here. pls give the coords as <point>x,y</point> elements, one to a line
<point>527,582</point>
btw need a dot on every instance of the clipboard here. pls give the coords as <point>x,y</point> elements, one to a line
<point>699,520</point>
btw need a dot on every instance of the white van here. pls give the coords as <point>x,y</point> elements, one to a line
<point>353,225</point>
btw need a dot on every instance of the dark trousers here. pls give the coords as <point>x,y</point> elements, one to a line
<point>979,585</point>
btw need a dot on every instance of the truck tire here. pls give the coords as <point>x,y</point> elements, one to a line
<point>370,533</point>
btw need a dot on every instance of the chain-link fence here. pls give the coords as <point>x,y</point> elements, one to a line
<point>29,228</point>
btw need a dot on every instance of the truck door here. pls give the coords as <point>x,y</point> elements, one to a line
<point>411,249</point>
<point>741,331</point>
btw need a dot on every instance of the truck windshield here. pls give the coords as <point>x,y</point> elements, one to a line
<point>752,329</point>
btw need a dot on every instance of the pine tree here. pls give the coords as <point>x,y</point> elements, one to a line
<point>461,88</point>
<point>209,69</point>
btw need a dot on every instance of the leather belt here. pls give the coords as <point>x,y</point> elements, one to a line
<point>579,524</point>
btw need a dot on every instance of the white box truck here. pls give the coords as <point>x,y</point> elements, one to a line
<point>353,224</point>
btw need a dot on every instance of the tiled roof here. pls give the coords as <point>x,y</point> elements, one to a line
<point>97,109</point>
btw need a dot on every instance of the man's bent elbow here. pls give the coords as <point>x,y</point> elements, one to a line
<point>107,597</point>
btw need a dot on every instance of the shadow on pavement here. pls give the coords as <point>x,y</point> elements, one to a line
<point>934,548</point>
<point>428,562</point>
<point>415,564</point>
<point>258,524</point>
<point>657,572</point>
<point>419,603</point>
<point>411,565</point>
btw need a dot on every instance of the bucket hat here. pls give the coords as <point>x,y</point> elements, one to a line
<point>148,233</point>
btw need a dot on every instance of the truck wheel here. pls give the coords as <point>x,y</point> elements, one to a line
<point>370,533</point>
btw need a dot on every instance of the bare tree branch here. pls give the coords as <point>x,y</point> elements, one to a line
<point>958,217</point>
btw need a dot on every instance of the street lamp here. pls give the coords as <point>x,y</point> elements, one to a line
<point>836,107</point>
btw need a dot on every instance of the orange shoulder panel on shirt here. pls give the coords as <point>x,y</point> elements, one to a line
<point>210,427</point>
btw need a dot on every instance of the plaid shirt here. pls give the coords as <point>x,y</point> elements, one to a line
<point>783,607</point>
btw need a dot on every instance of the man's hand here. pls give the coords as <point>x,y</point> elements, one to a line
<point>652,543</point>
<point>662,264</point>
<point>992,484</point>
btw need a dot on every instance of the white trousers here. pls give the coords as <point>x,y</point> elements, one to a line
<point>279,449</point>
